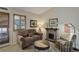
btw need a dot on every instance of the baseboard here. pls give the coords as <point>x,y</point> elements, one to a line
<point>6,44</point>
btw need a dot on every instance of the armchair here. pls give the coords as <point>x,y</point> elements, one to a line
<point>65,43</point>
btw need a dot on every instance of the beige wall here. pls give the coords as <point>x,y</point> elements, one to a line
<point>29,16</point>
<point>64,15</point>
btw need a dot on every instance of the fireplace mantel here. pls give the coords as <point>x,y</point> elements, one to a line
<point>55,29</point>
<point>51,34</point>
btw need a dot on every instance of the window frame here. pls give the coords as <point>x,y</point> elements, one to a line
<point>8,26</point>
<point>20,21</point>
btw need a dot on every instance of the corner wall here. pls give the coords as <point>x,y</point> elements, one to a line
<point>64,15</point>
<point>11,11</point>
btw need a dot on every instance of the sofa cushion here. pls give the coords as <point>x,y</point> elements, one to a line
<point>23,32</point>
<point>31,31</point>
<point>30,34</point>
<point>65,36</point>
<point>36,37</point>
<point>26,42</point>
<point>62,41</point>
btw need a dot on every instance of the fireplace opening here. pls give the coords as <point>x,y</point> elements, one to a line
<point>51,36</point>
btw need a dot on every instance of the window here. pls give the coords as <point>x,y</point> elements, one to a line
<point>19,22</point>
<point>3,32</point>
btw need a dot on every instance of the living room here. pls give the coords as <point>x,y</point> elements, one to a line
<point>41,19</point>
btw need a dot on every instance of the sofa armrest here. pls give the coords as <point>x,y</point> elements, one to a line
<point>40,34</point>
<point>19,39</point>
<point>26,42</point>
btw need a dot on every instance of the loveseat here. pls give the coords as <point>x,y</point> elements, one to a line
<point>26,38</point>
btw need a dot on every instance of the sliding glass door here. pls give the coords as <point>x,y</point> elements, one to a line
<point>4,28</point>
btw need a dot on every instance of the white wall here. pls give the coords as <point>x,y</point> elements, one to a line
<point>64,15</point>
<point>29,16</point>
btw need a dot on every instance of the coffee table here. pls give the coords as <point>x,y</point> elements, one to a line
<point>42,45</point>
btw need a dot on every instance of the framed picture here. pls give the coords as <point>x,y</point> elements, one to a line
<point>33,23</point>
<point>53,22</point>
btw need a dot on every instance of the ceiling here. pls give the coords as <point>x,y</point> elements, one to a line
<point>35,10</point>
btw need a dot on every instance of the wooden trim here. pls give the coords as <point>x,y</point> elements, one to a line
<point>8,24</point>
<point>3,8</point>
<point>8,27</point>
<point>5,12</point>
<point>19,15</point>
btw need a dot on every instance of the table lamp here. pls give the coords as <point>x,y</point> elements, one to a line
<point>39,28</point>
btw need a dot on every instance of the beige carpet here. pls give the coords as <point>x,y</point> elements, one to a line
<point>17,48</point>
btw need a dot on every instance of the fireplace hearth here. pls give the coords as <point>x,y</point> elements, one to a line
<point>51,34</point>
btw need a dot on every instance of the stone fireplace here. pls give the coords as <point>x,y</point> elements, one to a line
<point>51,34</point>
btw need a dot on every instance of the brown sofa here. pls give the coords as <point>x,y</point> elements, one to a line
<point>28,37</point>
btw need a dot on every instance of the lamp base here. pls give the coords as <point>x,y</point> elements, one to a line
<point>39,30</point>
